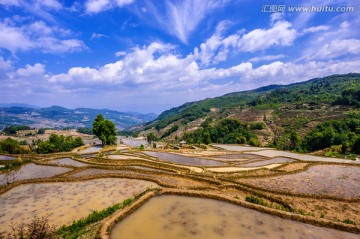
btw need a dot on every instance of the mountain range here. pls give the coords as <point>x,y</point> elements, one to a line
<point>60,117</point>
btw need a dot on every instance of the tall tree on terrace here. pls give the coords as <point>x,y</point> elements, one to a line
<point>105,130</point>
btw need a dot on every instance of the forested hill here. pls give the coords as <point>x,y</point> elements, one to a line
<point>271,113</point>
<point>311,94</point>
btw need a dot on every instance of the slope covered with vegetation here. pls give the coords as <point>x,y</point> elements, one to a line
<point>288,117</point>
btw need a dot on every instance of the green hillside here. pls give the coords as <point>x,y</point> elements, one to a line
<point>281,109</point>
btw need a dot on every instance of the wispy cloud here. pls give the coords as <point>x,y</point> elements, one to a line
<point>179,18</point>
<point>97,36</point>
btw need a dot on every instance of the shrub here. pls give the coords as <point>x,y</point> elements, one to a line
<point>38,228</point>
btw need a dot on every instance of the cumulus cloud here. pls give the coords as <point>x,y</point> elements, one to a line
<point>280,34</point>
<point>218,47</point>
<point>29,71</point>
<point>36,35</point>
<point>96,6</point>
<point>158,67</point>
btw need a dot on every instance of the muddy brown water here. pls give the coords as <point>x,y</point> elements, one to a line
<point>189,217</point>
<point>93,149</point>
<point>266,162</point>
<point>31,170</point>
<point>86,155</point>
<point>65,202</point>
<point>239,156</point>
<point>68,162</point>
<point>95,171</point>
<point>146,168</point>
<point>180,159</point>
<point>134,142</point>
<point>4,157</point>
<point>333,180</point>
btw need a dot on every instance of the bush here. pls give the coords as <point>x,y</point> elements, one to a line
<point>254,142</point>
<point>257,126</point>
<point>38,228</point>
<point>12,146</point>
<point>57,144</point>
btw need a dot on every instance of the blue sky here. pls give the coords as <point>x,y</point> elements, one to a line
<point>148,56</point>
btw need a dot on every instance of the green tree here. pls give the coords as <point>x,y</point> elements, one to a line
<point>105,130</point>
<point>151,138</point>
<point>207,139</point>
<point>295,141</point>
<point>356,146</point>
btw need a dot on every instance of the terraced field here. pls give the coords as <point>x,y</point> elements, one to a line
<point>285,194</point>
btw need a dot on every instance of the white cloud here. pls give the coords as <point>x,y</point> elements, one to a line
<point>37,35</point>
<point>157,67</point>
<point>280,34</point>
<point>217,48</point>
<point>29,71</point>
<point>266,58</point>
<point>10,37</point>
<point>96,6</point>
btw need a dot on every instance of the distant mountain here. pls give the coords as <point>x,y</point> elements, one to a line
<point>18,105</point>
<point>60,117</point>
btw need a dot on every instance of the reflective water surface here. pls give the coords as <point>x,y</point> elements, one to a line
<point>31,170</point>
<point>186,217</point>
<point>180,159</point>
<point>65,202</point>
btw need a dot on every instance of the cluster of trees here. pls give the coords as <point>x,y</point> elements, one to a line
<point>330,90</point>
<point>170,131</point>
<point>105,130</point>
<point>11,146</point>
<point>334,132</point>
<point>349,97</point>
<point>229,131</point>
<point>60,143</point>
<point>84,130</point>
<point>12,130</point>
